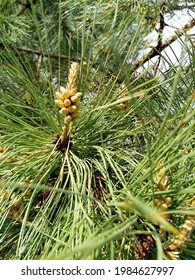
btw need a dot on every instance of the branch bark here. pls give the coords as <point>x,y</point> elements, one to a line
<point>46,54</point>
<point>163,45</point>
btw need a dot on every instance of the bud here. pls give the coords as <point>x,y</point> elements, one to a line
<point>67,102</point>
<point>74,98</point>
<point>72,108</point>
<point>122,106</point>
<point>59,103</point>
<point>79,94</point>
<point>168,201</point>
<point>163,207</point>
<point>59,95</point>
<point>66,94</point>
<point>64,112</point>
<point>72,92</point>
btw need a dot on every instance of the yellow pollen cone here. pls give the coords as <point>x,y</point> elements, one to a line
<point>59,103</point>
<point>72,108</point>
<point>64,112</point>
<point>67,102</point>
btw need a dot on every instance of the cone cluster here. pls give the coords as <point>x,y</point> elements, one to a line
<point>68,100</point>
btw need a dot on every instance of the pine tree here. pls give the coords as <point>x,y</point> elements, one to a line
<point>96,142</point>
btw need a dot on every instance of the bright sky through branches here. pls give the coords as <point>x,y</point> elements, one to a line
<point>175,52</point>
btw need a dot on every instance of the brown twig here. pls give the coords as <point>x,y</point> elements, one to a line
<point>160,47</point>
<point>46,54</point>
<point>160,35</point>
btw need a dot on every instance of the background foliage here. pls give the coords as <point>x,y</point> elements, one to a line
<point>103,195</point>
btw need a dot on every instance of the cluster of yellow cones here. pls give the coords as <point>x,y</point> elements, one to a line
<point>68,100</point>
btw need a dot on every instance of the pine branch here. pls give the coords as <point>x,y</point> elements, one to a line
<point>163,45</point>
<point>154,52</point>
<point>46,54</point>
<point>41,53</point>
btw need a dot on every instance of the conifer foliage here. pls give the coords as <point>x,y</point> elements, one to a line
<point>97,128</point>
